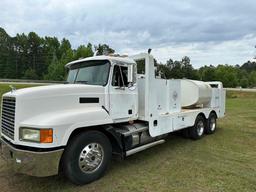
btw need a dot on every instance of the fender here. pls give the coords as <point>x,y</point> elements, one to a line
<point>65,122</point>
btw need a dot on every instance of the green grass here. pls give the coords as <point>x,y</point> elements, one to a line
<point>6,87</point>
<point>225,161</point>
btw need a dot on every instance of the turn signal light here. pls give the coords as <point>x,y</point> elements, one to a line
<point>46,136</point>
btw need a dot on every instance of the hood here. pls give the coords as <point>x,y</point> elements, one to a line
<point>36,102</point>
<point>55,91</point>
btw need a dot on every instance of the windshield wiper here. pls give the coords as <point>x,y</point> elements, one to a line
<point>83,82</point>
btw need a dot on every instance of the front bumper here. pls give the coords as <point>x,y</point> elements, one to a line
<point>39,164</point>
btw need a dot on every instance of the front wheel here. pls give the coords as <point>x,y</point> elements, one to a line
<point>87,157</point>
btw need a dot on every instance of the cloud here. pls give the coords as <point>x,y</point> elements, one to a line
<point>205,53</point>
<point>210,32</point>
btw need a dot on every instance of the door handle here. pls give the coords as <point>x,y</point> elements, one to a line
<point>120,88</point>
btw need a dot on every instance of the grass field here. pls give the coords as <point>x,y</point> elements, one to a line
<point>225,161</point>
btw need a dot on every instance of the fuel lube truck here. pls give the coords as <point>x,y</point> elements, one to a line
<point>110,105</point>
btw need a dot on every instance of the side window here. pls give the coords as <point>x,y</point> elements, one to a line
<point>120,76</point>
<point>141,66</point>
<point>134,73</point>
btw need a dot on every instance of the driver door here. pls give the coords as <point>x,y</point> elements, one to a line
<point>123,95</point>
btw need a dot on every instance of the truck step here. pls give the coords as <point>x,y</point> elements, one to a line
<point>143,147</point>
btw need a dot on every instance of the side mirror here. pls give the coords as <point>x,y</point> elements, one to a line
<point>130,73</point>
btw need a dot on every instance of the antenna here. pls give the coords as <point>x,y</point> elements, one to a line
<point>95,53</point>
<point>255,54</point>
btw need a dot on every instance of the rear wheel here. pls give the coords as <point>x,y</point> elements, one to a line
<point>197,131</point>
<point>87,157</point>
<point>211,124</point>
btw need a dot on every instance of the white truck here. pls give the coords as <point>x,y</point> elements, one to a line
<point>105,108</point>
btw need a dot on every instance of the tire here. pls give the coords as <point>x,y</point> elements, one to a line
<point>211,124</point>
<point>196,132</point>
<point>87,157</point>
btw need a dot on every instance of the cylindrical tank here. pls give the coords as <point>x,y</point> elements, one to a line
<point>195,93</point>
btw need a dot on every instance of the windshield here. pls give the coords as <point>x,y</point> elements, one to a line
<point>89,72</point>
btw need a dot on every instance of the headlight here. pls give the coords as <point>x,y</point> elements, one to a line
<point>28,134</point>
<point>36,135</point>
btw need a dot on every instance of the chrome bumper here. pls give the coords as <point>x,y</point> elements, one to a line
<point>39,164</point>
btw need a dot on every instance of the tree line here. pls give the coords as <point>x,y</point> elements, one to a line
<point>33,57</point>
<point>230,75</point>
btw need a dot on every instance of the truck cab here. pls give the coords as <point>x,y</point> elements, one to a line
<point>117,78</point>
<point>109,105</point>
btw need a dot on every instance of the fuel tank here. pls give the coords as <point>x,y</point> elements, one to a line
<point>195,93</point>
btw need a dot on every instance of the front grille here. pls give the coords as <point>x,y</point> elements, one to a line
<point>8,116</point>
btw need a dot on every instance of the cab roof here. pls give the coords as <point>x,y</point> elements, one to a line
<point>126,60</point>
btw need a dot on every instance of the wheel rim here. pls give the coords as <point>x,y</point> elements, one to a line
<point>91,157</point>
<point>212,124</point>
<point>200,128</point>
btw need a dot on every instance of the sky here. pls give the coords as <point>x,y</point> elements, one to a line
<point>209,32</point>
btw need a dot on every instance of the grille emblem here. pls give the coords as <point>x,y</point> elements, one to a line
<point>13,88</point>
